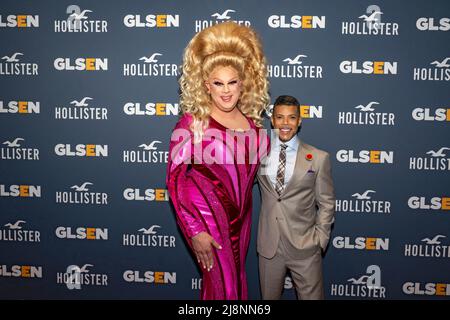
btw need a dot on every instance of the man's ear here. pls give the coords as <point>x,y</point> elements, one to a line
<point>299,122</point>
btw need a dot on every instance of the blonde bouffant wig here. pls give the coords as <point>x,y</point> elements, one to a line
<point>226,45</point>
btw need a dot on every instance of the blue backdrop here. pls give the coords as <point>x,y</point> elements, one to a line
<point>88,99</point>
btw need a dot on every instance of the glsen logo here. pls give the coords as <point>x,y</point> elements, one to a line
<point>82,233</point>
<point>14,233</point>
<point>363,203</point>
<point>434,203</point>
<point>370,24</point>
<point>296,22</point>
<point>156,277</point>
<point>367,116</point>
<point>368,67</point>
<point>152,21</point>
<point>81,195</point>
<point>440,71</point>
<point>148,237</point>
<point>19,21</point>
<point>20,107</point>
<point>81,64</point>
<point>428,24</point>
<point>22,191</point>
<point>306,111</point>
<point>132,194</point>
<point>80,110</point>
<point>13,151</point>
<point>294,68</point>
<point>365,286</point>
<point>75,277</point>
<point>425,114</point>
<point>18,271</point>
<point>149,153</point>
<point>151,109</point>
<point>438,160</point>
<point>78,21</point>
<point>150,68</point>
<point>430,248</point>
<point>365,156</point>
<point>361,243</point>
<point>426,289</point>
<point>219,17</point>
<point>11,66</point>
<point>81,150</point>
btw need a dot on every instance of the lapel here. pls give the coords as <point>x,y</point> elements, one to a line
<point>264,179</point>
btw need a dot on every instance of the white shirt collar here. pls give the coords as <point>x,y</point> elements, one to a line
<point>292,144</point>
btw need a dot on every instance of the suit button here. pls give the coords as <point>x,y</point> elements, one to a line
<point>279,199</point>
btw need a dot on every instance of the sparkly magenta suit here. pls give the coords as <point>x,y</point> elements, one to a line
<point>216,197</point>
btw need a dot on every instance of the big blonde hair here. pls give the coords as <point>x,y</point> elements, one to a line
<point>224,44</point>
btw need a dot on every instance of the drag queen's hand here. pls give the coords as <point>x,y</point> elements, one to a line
<point>202,243</point>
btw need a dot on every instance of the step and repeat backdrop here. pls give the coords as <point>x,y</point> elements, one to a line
<point>88,99</point>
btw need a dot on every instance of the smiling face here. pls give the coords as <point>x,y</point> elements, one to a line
<point>286,119</point>
<point>224,86</point>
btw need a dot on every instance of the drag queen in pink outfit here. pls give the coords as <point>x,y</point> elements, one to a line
<point>216,148</point>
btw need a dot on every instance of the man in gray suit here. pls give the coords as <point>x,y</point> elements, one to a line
<point>297,208</point>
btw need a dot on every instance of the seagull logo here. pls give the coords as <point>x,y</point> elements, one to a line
<point>13,58</point>
<point>442,64</point>
<point>435,240</point>
<point>82,188</point>
<point>15,226</point>
<point>14,143</point>
<point>81,103</point>
<point>296,60</point>
<point>368,107</point>
<point>151,59</point>
<point>150,230</point>
<point>439,153</point>
<point>81,15</point>
<point>363,196</point>
<point>372,18</point>
<point>222,16</point>
<point>361,280</point>
<point>84,269</point>
<point>150,146</point>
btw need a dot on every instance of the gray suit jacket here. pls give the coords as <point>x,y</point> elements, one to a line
<point>304,212</point>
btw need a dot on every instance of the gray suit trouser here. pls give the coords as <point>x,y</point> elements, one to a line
<point>306,275</point>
